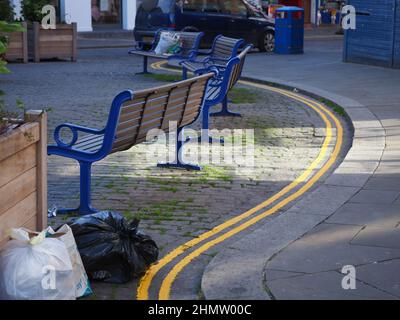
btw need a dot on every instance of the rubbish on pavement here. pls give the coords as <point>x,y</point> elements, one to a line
<point>52,212</point>
<point>33,267</point>
<point>113,250</point>
<point>167,41</point>
<point>64,234</point>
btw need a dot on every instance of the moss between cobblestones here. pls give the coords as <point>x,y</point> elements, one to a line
<point>161,211</point>
<point>243,95</point>
<point>214,173</point>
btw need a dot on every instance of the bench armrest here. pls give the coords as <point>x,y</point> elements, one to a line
<point>192,54</point>
<point>213,69</point>
<point>74,129</point>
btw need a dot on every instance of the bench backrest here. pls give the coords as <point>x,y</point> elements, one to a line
<point>228,77</point>
<point>154,109</point>
<point>238,67</point>
<point>190,41</point>
<point>225,48</point>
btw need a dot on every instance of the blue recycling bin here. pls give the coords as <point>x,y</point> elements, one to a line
<point>289,30</point>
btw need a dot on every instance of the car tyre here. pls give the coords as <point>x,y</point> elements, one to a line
<point>267,42</point>
<point>190,29</point>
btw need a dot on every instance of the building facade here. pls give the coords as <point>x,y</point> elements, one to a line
<point>94,14</point>
<point>120,14</point>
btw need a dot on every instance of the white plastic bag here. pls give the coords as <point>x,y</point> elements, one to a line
<point>167,40</point>
<point>65,235</point>
<point>33,267</point>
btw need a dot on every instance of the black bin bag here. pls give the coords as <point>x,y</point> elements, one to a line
<point>113,250</point>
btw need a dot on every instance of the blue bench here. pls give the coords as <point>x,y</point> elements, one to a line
<point>189,49</point>
<point>218,88</point>
<point>132,116</point>
<point>222,50</point>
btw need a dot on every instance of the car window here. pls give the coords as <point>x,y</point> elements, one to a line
<point>211,6</point>
<point>192,5</point>
<point>163,6</point>
<point>235,7</point>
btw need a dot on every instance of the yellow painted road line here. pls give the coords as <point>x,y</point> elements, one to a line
<point>146,280</point>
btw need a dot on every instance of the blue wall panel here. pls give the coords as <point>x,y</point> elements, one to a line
<point>396,58</point>
<point>373,40</point>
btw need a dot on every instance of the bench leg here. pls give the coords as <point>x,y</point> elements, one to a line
<point>178,163</point>
<point>145,63</point>
<point>224,111</point>
<point>85,194</point>
<point>205,127</point>
<point>184,73</point>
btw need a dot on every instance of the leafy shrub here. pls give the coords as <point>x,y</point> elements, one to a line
<point>6,11</point>
<point>6,27</point>
<point>32,9</point>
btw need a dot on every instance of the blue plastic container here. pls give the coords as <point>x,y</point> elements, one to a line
<point>289,30</point>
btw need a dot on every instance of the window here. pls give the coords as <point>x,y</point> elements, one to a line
<point>163,6</point>
<point>211,6</point>
<point>193,5</point>
<point>235,7</point>
<point>201,5</point>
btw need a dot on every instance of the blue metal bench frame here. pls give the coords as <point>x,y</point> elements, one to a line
<point>111,136</point>
<point>228,75</point>
<point>222,50</point>
<point>191,53</point>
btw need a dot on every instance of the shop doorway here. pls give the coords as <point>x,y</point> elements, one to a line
<point>106,14</point>
<point>306,4</point>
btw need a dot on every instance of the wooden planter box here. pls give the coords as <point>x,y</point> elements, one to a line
<point>58,43</point>
<point>17,49</point>
<point>23,176</point>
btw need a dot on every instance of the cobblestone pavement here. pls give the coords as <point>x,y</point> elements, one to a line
<point>174,205</point>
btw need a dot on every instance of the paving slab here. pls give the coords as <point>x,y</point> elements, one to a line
<point>325,200</point>
<point>328,247</point>
<point>379,236</point>
<point>323,286</point>
<point>384,275</point>
<point>363,214</point>
<point>379,182</point>
<point>375,197</point>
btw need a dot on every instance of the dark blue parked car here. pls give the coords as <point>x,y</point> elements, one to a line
<point>232,18</point>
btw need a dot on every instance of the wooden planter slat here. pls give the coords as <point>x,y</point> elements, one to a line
<point>19,162</point>
<point>19,215</point>
<point>17,190</point>
<point>18,140</point>
<point>23,176</point>
<point>17,48</point>
<point>53,43</point>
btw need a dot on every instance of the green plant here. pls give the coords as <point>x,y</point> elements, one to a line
<point>6,10</point>
<point>243,95</point>
<point>6,27</point>
<point>8,118</point>
<point>32,9</point>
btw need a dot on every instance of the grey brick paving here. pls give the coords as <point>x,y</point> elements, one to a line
<point>174,206</point>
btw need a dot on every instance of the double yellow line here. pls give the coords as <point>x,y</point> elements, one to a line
<point>306,177</point>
